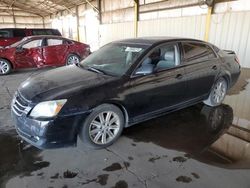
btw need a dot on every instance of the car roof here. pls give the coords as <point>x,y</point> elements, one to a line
<point>44,36</point>
<point>27,29</point>
<point>154,40</point>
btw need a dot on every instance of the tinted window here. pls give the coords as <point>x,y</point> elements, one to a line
<point>5,34</point>
<point>216,48</point>
<point>18,33</point>
<point>42,32</point>
<point>56,32</point>
<point>33,44</point>
<point>54,42</point>
<point>67,42</point>
<point>196,51</point>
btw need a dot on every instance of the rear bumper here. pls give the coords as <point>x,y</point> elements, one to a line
<point>56,133</point>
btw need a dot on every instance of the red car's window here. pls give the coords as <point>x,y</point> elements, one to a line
<point>33,44</point>
<point>54,42</point>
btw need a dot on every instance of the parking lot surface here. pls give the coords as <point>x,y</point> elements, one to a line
<point>195,147</point>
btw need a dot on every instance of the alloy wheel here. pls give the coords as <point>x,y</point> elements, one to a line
<point>73,59</point>
<point>104,128</point>
<point>4,67</point>
<point>219,91</point>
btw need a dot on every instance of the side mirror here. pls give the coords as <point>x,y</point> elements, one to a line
<point>144,70</point>
<point>19,49</point>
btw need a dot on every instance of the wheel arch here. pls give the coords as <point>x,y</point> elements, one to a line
<point>74,53</point>
<point>11,64</point>
<point>228,80</point>
<point>122,108</point>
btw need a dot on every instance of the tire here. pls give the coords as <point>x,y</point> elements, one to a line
<point>72,59</point>
<point>5,67</point>
<point>103,134</point>
<point>214,118</point>
<point>217,93</point>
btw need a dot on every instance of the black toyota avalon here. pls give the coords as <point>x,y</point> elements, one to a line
<point>123,83</point>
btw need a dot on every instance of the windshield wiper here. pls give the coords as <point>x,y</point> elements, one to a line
<point>95,70</point>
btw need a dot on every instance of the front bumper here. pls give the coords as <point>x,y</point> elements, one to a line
<point>56,133</point>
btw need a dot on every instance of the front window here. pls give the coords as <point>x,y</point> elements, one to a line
<point>33,44</point>
<point>166,56</point>
<point>114,58</point>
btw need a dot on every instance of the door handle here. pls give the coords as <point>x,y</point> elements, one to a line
<point>214,67</point>
<point>179,76</point>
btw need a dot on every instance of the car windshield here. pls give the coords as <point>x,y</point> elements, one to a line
<point>114,58</point>
<point>17,43</point>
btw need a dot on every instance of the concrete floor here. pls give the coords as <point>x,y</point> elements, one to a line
<point>195,147</point>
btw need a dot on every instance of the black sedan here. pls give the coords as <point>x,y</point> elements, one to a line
<point>123,83</point>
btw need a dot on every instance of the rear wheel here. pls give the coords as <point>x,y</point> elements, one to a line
<point>217,93</point>
<point>72,59</point>
<point>102,127</point>
<point>5,67</point>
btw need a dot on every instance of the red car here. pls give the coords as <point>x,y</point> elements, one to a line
<point>41,51</point>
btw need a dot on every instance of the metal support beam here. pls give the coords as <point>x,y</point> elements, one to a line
<point>43,22</point>
<point>99,3</point>
<point>96,9</point>
<point>77,23</point>
<point>136,17</point>
<point>208,23</point>
<point>14,17</point>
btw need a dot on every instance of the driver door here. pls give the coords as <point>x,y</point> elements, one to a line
<point>30,54</point>
<point>164,88</point>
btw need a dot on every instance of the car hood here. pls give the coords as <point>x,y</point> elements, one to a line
<point>60,82</point>
<point>6,49</point>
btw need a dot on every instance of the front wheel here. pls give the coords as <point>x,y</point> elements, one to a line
<point>102,127</point>
<point>5,67</point>
<point>217,93</point>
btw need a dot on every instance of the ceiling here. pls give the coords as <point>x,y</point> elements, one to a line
<point>40,7</point>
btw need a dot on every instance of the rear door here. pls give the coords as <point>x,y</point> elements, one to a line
<point>30,54</point>
<point>55,52</point>
<point>201,67</point>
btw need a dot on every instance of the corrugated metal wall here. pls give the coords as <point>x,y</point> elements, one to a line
<point>228,31</point>
<point>111,32</point>
<point>232,31</point>
<point>23,20</point>
<point>191,26</point>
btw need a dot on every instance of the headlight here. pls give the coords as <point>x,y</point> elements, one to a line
<point>47,109</point>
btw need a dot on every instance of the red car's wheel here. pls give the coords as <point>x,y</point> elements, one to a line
<point>72,59</point>
<point>5,67</point>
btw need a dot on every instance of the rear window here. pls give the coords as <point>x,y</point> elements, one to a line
<point>45,32</point>
<point>19,33</point>
<point>5,34</point>
<point>54,42</point>
<point>197,51</point>
<point>42,32</point>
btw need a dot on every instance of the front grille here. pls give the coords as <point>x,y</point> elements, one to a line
<point>19,104</point>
